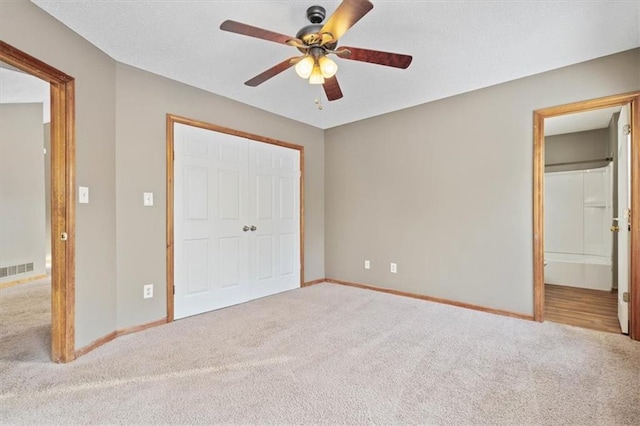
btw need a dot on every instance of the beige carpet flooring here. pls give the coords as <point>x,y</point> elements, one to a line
<point>323,354</point>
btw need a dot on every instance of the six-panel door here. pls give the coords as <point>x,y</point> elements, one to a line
<point>236,220</point>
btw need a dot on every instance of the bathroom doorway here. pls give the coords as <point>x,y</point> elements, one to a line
<point>583,271</point>
<point>579,205</point>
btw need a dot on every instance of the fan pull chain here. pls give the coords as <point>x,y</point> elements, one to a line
<point>318,100</point>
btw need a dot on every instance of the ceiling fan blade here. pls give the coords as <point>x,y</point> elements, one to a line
<point>332,89</point>
<point>345,16</point>
<point>272,72</point>
<point>396,60</point>
<point>248,30</point>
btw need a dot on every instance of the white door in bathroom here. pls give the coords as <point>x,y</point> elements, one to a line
<point>624,203</point>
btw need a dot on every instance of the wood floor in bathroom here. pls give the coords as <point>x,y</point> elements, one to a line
<point>594,309</point>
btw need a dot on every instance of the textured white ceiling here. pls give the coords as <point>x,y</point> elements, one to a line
<point>579,122</point>
<point>17,87</point>
<point>458,46</point>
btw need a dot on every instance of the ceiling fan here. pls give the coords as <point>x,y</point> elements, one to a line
<point>316,42</point>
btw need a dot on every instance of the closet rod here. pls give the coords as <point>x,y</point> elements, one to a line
<point>597,160</point>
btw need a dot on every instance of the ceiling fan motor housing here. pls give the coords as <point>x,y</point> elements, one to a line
<point>310,34</point>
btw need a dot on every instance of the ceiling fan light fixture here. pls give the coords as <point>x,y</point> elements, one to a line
<point>304,68</point>
<point>315,42</point>
<point>316,76</point>
<point>327,67</point>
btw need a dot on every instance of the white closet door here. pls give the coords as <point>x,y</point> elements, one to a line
<point>274,206</point>
<point>210,210</point>
<point>236,220</point>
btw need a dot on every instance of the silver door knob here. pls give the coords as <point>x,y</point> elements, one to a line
<point>245,228</point>
<point>253,228</point>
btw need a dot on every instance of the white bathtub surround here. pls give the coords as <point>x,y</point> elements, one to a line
<point>577,270</point>
<point>578,215</point>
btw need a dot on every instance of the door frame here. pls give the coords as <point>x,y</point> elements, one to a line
<point>176,119</point>
<point>539,115</point>
<point>63,171</point>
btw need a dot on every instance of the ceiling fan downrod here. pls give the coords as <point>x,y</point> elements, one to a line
<point>316,14</point>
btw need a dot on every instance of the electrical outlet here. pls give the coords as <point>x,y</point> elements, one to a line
<point>393,268</point>
<point>367,264</point>
<point>148,291</point>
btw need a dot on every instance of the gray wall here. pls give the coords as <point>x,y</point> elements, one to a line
<point>22,204</point>
<point>445,189</point>
<point>143,100</point>
<point>579,146</point>
<point>47,186</point>
<point>30,29</point>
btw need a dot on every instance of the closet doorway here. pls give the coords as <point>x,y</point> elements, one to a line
<point>586,164</point>
<point>235,226</point>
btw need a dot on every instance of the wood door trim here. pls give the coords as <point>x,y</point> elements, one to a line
<point>634,276</point>
<point>633,99</point>
<point>169,224</point>
<point>173,119</point>
<point>63,166</point>
<point>21,60</point>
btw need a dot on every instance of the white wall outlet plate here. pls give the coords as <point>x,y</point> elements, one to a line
<point>83,195</point>
<point>367,264</point>
<point>147,199</point>
<point>393,268</point>
<point>147,291</point>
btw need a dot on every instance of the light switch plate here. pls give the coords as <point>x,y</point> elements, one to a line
<point>367,264</point>
<point>83,195</point>
<point>147,199</point>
